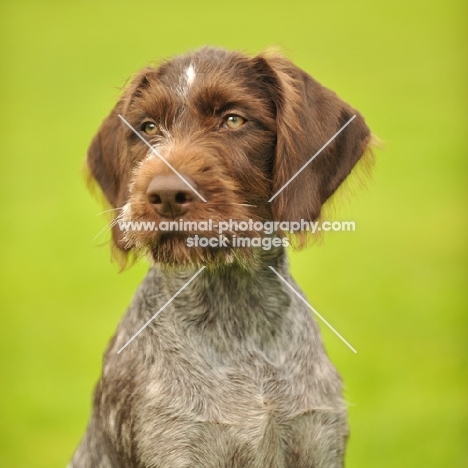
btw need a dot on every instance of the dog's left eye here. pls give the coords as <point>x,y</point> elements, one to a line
<point>150,128</point>
<point>233,121</point>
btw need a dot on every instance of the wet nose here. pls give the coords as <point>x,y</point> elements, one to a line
<point>170,196</point>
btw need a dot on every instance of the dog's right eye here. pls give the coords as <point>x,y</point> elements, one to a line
<point>150,128</point>
<point>233,121</point>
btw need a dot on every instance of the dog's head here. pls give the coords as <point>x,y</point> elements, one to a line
<point>216,135</point>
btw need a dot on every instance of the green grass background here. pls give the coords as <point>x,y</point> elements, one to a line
<point>395,288</point>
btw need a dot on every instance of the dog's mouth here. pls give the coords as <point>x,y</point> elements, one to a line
<point>205,243</point>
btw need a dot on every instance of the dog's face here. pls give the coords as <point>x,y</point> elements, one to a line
<point>212,136</point>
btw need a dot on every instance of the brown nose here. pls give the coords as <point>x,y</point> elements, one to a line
<point>170,196</point>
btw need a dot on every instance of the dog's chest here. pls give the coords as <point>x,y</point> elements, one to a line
<point>235,412</point>
<point>242,412</point>
<point>235,387</point>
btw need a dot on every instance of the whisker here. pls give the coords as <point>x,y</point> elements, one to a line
<point>103,231</point>
<point>108,211</point>
<point>108,226</point>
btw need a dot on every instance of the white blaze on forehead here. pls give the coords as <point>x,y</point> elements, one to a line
<point>190,74</point>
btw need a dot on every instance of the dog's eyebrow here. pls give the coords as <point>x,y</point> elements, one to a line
<point>232,106</point>
<point>156,152</point>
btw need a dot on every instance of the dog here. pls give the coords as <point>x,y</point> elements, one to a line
<point>218,362</point>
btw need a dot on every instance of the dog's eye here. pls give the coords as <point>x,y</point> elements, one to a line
<point>234,121</point>
<point>150,128</point>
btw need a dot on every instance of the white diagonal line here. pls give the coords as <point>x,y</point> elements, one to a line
<point>161,309</point>
<point>313,310</point>
<point>312,158</point>
<point>155,151</point>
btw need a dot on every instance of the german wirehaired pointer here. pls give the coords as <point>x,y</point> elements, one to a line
<point>232,373</point>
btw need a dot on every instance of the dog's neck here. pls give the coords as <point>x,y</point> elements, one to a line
<point>231,303</point>
<point>235,279</point>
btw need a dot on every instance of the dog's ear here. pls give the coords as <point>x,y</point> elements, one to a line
<point>106,165</point>
<point>105,157</point>
<point>308,115</point>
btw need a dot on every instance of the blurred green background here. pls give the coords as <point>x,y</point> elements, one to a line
<point>395,288</point>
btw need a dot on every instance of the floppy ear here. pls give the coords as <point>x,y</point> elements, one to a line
<point>308,115</point>
<point>104,155</point>
<point>107,161</point>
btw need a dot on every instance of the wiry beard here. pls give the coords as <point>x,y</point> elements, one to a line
<point>170,250</point>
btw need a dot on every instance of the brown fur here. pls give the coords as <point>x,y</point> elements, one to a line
<point>294,113</point>
<point>233,373</point>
